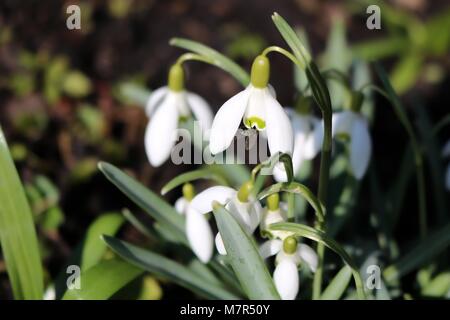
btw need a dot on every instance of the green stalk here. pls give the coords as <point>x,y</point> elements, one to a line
<point>324,175</point>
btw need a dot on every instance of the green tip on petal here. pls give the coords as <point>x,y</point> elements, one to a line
<point>244,191</point>
<point>255,122</point>
<point>290,245</point>
<point>273,201</point>
<point>176,78</point>
<point>188,191</point>
<point>260,73</point>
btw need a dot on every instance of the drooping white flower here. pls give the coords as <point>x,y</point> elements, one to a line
<point>289,255</point>
<point>244,209</point>
<point>308,137</point>
<point>198,230</point>
<point>274,212</point>
<point>446,153</point>
<point>165,107</point>
<point>354,126</point>
<point>257,108</point>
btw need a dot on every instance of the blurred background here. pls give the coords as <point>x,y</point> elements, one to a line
<point>63,106</point>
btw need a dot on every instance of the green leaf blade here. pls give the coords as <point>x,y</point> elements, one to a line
<point>103,280</point>
<point>244,258</point>
<point>17,232</point>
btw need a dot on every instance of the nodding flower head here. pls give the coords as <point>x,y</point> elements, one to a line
<point>198,230</point>
<point>353,126</point>
<point>166,106</point>
<point>257,108</point>
<point>244,208</point>
<point>289,255</point>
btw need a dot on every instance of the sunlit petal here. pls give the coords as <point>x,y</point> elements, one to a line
<point>286,279</point>
<point>202,202</point>
<point>308,255</point>
<point>270,248</point>
<point>342,122</point>
<point>279,128</point>
<point>227,121</point>
<point>161,132</point>
<point>219,245</point>
<point>313,142</point>
<point>199,234</point>
<point>154,99</point>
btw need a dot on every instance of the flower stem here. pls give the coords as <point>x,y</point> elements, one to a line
<point>322,196</point>
<point>286,53</point>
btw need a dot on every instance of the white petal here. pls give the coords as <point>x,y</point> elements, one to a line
<point>272,91</point>
<point>219,245</point>
<point>199,234</point>
<point>360,147</point>
<point>255,105</point>
<point>227,121</point>
<point>446,149</point>
<point>239,210</point>
<point>342,122</point>
<point>202,202</point>
<point>286,279</point>
<point>154,99</point>
<point>447,178</point>
<point>181,205</point>
<point>201,110</point>
<point>256,213</point>
<point>313,142</point>
<point>270,248</point>
<point>308,255</point>
<point>279,128</point>
<point>160,135</point>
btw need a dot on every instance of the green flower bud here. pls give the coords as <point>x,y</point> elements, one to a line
<point>244,191</point>
<point>260,73</point>
<point>273,201</point>
<point>290,245</point>
<point>176,78</point>
<point>188,191</point>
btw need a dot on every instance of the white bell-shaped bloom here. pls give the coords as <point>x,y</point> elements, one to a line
<point>289,255</point>
<point>274,212</point>
<point>354,126</point>
<point>308,138</point>
<point>446,153</point>
<point>165,107</point>
<point>198,230</point>
<point>247,213</point>
<point>256,108</point>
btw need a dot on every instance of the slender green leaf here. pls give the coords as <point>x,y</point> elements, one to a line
<point>216,57</point>
<point>94,248</point>
<point>18,238</point>
<point>438,287</point>
<point>193,175</point>
<point>156,207</point>
<point>237,174</point>
<point>245,260</point>
<point>419,255</point>
<point>103,280</point>
<point>319,236</point>
<point>161,266</point>
<point>337,286</point>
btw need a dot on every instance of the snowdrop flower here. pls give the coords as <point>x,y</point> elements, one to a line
<point>446,153</point>
<point>198,230</point>
<point>256,107</point>
<point>308,137</point>
<point>275,212</point>
<point>166,106</point>
<point>240,204</point>
<point>352,125</point>
<point>289,255</point>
